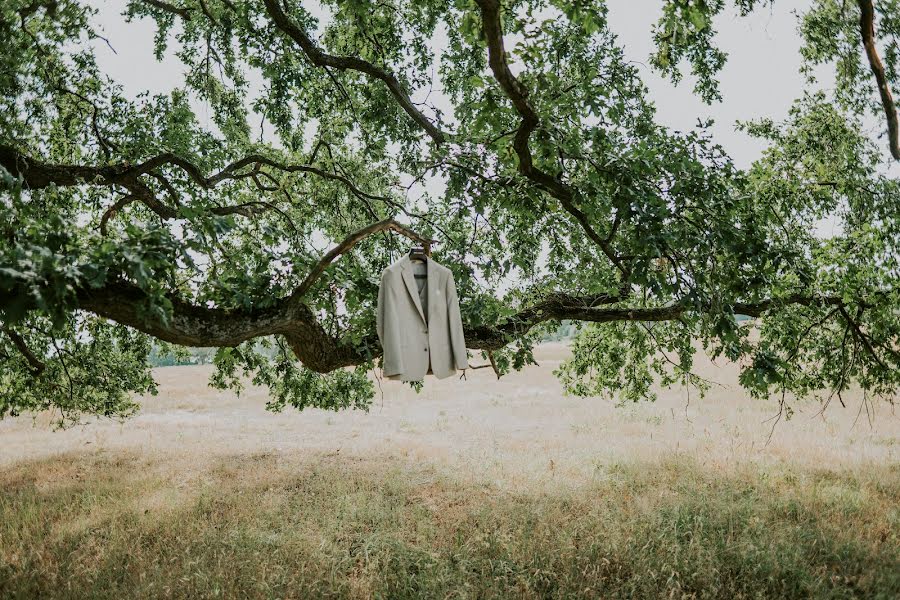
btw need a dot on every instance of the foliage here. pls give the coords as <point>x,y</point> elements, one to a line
<point>288,382</point>
<point>526,144</point>
<point>90,366</point>
<point>168,355</point>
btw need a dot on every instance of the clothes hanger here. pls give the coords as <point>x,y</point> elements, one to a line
<point>419,252</point>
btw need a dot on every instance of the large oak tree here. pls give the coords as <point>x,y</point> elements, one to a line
<point>127,220</point>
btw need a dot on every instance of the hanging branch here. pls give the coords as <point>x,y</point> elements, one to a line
<point>352,63</point>
<point>36,364</point>
<point>518,95</point>
<point>193,324</point>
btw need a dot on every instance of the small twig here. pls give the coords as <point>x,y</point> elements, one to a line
<point>493,363</point>
<point>777,419</point>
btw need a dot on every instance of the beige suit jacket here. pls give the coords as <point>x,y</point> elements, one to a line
<point>410,343</point>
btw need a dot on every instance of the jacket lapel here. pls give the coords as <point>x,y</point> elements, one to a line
<point>432,287</point>
<point>411,287</point>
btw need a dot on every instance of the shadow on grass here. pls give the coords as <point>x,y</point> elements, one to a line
<point>87,525</point>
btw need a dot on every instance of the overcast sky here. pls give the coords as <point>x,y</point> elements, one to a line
<point>760,78</point>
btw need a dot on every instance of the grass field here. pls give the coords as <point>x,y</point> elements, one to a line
<point>472,489</point>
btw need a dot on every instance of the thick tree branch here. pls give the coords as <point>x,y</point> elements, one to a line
<point>38,174</point>
<point>518,94</point>
<point>321,59</point>
<point>194,325</point>
<point>867,29</point>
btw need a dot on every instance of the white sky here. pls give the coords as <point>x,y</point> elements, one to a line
<point>760,79</point>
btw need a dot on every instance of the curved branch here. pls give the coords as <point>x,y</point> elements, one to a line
<point>321,59</point>
<point>230,172</point>
<point>113,210</point>
<point>257,159</point>
<point>36,364</point>
<point>351,63</point>
<point>37,174</point>
<point>867,30</point>
<point>348,243</point>
<point>518,94</point>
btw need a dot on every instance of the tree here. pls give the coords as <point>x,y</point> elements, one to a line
<point>127,219</point>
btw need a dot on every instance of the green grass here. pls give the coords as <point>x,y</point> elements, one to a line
<point>92,526</point>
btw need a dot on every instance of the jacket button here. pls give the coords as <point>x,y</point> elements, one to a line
<point>426,349</point>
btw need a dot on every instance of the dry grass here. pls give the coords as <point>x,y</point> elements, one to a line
<point>474,488</point>
<point>101,526</point>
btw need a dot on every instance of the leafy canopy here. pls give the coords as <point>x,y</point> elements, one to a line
<point>514,133</point>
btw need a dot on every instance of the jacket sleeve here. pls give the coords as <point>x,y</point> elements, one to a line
<point>379,311</point>
<point>387,327</point>
<point>457,339</point>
